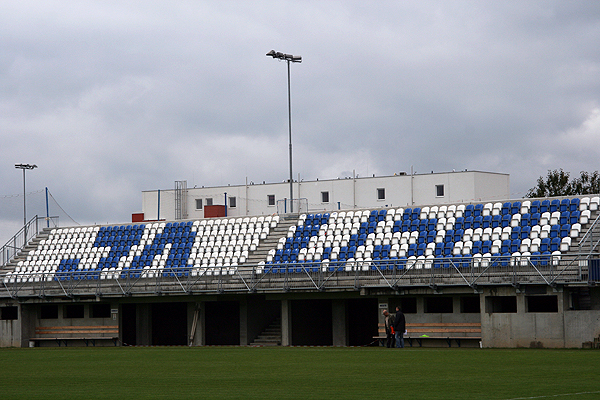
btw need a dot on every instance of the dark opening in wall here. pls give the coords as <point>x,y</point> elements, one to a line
<point>10,312</point>
<point>49,311</point>
<point>73,311</point>
<point>580,298</point>
<point>438,305</point>
<point>501,304</point>
<point>469,305</point>
<point>312,323</point>
<point>362,318</point>
<point>128,324</point>
<point>169,324</point>
<point>542,303</point>
<point>100,311</point>
<point>222,321</point>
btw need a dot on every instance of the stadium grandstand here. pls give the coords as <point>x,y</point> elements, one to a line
<point>493,274</point>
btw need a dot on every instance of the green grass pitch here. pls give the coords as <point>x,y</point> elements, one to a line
<point>298,373</point>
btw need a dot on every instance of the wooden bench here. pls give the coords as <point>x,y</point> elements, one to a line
<point>88,334</point>
<point>448,331</point>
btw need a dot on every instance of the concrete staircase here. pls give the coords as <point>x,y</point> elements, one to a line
<point>281,230</point>
<point>594,235</point>
<point>271,336</point>
<point>31,246</point>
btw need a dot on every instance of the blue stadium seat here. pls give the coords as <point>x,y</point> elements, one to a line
<point>535,207</point>
<point>416,213</point>
<point>574,204</point>
<point>487,222</point>
<point>545,206</point>
<point>574,217</point>
<point>432,224</point>
<point>515,245</point>
<point>469,222</point>
<point>459,223</point>
<point>496,221</point>
<point>565,217</point>
<point>469,211</point>
<point>515,208</point>
<point>373,216</point>
<point>439,249</point>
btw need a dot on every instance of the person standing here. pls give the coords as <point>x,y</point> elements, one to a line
<point>389,328</point>
<point>399,327</point>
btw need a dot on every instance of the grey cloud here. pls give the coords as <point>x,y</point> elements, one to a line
<point>112,98</point>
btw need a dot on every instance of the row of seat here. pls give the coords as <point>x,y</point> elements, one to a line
<point>541,228</point>
<point>465,232</point>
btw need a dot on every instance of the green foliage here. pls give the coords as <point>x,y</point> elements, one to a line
<point>297,373</point>
<point>557,184</point>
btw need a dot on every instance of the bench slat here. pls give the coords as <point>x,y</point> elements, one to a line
<point>442,330</point>
<point>57,330</point>
<point>74,338</point>
<point>444,324</point>
<point>78,327</point>
<point>75,331</point>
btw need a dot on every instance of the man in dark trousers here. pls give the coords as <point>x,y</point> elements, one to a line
<point>399,327</point>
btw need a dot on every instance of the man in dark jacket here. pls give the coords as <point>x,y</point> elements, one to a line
<point>399,327</point>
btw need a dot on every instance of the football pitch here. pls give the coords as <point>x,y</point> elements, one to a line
<point>298,373</point>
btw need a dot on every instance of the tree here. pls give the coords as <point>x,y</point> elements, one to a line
<point>557,184</point>
<point>587,183</point>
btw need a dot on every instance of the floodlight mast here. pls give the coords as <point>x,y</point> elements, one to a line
<point>295,59</point>
<point>25,167</point>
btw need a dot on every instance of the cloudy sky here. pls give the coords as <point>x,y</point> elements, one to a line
<point>110,98</point>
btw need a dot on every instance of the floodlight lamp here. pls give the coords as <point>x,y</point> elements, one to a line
<point>272,53</point>
<point>297,59</point>
<point>25,166</point>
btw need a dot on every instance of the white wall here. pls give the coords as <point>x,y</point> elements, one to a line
<point>400,191</point>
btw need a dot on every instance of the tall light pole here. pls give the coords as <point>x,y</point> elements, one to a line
<point>24,167</point>
<point>295,59</point>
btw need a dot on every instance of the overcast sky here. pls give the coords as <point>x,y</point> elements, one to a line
<point>110,98</point>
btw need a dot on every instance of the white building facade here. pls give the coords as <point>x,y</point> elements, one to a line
<point>328,195</point>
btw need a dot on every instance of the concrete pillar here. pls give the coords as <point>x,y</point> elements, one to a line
<point>521,304</point>
<point>143,324</point>
<point>420,305</point>
<point>339,321</point>
<point>28,320</point>
<point>456,304</point>
<point>286,323</point>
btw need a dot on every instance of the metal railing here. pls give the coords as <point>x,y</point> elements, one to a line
<point>15,244</point>
<point>589,239</point>
<point>350,275</point>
